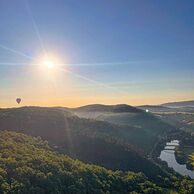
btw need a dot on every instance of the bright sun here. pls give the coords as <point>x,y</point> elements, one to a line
<point>49,63</point>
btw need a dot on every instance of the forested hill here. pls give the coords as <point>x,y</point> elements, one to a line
<point>141,128</point>
<point>96,142</point>
<point>107,108</point>
<point>36,168</point>
<point>28,165</point>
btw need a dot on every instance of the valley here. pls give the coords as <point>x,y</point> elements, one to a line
<point>178,122</point>
<point>118,137</point>
<point>182,118</point>
<point>96,97</point>
<point>89,140</point>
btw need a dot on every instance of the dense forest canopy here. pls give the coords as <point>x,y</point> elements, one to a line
<point>28,165</point>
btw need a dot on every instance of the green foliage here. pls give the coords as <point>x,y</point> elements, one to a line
<point>98,142</point>
<point>29,165</point>
<point>181,157</point>
<point>185,155</point>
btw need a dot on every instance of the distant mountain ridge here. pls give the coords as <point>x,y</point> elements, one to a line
<point>107,108</point>
<point>155,108</point>
<point>179,104</point>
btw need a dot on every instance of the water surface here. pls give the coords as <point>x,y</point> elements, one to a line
<point>168,155</point>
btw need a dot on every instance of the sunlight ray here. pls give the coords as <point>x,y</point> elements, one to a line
<point>12,64</point>
<point>36,29</point>
<point>106,63</point>
<point>16,52</point>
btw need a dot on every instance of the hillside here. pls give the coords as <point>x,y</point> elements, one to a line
<point>142,128</point>
<point>182,120</point>
<point>97,142</point>
<point>29,165</point>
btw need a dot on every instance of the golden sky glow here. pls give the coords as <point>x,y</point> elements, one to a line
<point>49,82</point>
<point>72,57</point>
<point>78,99</point>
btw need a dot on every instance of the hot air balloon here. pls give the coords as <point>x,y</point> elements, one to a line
<point>18,100</point>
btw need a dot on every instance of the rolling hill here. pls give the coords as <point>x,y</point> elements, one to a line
<point>107,108</point>
<point>142,128</point>
<point>98,142</point>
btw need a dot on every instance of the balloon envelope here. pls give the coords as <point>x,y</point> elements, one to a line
<point>18,100</point>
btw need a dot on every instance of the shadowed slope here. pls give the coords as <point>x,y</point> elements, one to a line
<point>91,141</point>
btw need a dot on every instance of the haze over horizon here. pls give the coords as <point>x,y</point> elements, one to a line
<point>73,53</point>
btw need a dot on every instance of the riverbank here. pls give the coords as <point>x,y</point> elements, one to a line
<point>185,155</point>
<point>168,155</point>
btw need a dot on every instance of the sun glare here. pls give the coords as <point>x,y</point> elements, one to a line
<point>49,64</point>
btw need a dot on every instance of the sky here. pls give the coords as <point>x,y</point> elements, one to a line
<point>101,51</point>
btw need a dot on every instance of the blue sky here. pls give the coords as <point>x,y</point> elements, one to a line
<point>126,51</point>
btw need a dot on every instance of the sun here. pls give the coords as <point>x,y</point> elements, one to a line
<point>49,63</point>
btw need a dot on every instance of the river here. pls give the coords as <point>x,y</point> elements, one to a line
<point>168,155</point>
